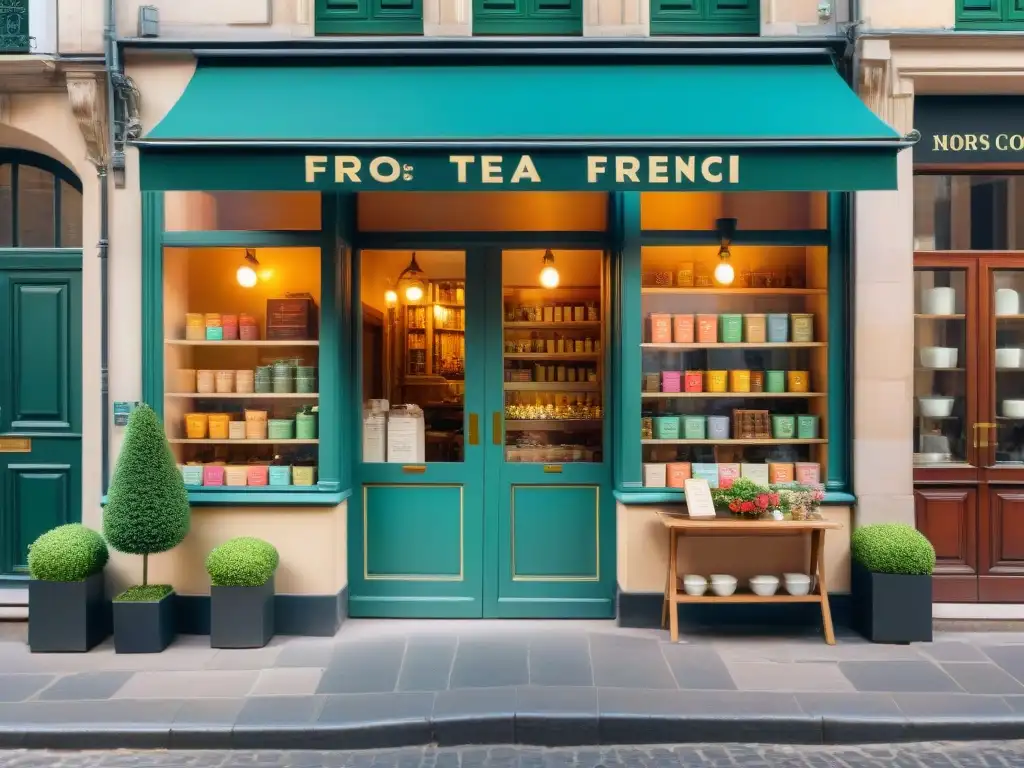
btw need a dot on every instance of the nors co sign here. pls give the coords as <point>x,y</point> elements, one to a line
<point>977,142</point>
<point>522,170</point>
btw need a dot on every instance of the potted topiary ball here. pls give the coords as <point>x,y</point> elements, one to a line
<point>67,608</point>
<point>892,583</point>
<point>242,593</point>
<point>147,512</point>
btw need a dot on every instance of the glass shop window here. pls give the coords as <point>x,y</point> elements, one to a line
<point>968,213</point>
<point>38,209</point>
<point>240,211</point>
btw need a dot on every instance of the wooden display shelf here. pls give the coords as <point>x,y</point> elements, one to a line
<point>746,597</point>
<point>730,395</point>
<point>245,395</point>
<point>733,441</point>
<point>940,317</point>
<point>552,386</point>
<point>711,291</point>
<point>738,345</point>
<point>552,355</point>
<point>247,441</point>
<point>552,326</point>
<point>257,343</point>
<point>550,425</point>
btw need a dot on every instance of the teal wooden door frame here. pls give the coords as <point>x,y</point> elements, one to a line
<point>416,539</point>
<point>549,549</point>
<point>40,398</point>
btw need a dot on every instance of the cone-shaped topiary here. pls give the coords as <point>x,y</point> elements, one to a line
<point>69,552</point>
<point>147,508</point>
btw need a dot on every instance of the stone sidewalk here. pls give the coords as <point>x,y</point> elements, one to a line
<point>402,683</point>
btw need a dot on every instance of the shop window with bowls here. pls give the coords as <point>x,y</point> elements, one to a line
<point>969,381</point>
<point>241,340</point>
<point>735,352</point>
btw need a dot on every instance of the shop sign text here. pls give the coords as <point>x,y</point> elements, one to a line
<point>523,171</point>
<point>960,130</point>
<point>977,142</point>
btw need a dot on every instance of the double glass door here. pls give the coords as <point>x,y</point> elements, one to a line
<point>969,422</point>
<point>483,475</point>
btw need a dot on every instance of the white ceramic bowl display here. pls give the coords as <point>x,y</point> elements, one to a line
<point>938,407</point>
<point>765,586</point>
<point>797,583</point>
<point>695,585</point>
<point>938,357</point>
<point>1007,302</point>
<point>939,301</point>
<point>722,584</point>
<point>1008,357</point>
<point>1014,409</point>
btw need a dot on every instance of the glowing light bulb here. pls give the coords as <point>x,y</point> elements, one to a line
<point>414,292</point>
<point>390,298</point>
<point>724,273</point>
<point>549,277</point>
<point>246,276</point>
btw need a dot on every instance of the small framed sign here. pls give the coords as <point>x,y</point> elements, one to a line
<point>698,498</point>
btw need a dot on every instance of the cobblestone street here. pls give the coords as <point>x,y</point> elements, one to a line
<point>929,755</point>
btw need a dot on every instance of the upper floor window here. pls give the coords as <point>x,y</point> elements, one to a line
<point>990,14</point>
<point>708,17</point>
<point>40,202</point>
<point>369,17</point>
<point>527,17</point>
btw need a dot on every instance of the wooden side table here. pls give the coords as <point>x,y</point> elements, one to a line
<point>681,525</point>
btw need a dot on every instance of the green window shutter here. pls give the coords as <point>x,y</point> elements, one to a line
<point>705,17</point>
<point>14,26</point>
<point>527,17</point>
<point>981,14</point>
<point>1016,12</point>
<point>368,17</point>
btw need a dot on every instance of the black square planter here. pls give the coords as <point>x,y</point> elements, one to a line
<point>242,617</point>
<point>67,616</point>
<point>890,608</point>
<point>144,627</point>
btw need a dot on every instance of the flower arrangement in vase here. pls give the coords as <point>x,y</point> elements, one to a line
<point>745,498</point>
<point>800,502</point>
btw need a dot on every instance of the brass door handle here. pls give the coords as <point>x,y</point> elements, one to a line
<point>496,436</point>
<point>982,442</point>
<point>474,429</point>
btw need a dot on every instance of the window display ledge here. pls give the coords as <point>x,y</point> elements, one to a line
<point>832,498</point>
<point>260,497</point>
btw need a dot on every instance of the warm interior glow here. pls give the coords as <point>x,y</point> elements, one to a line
<point>390,298</point>
<point>414,292</point>
<point>246,276</point>
<point>724,273</point>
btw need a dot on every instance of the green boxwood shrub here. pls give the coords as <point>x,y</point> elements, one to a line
<point>147,508</point>
<point>893,548</point>
<point>67,553</point>
<point>242,562</point>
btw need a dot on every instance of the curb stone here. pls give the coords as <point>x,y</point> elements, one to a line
<point>527,730</point>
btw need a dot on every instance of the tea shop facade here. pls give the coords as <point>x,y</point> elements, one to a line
<point>463,402</point>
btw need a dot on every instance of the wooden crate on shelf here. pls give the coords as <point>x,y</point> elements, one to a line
<point>751,425</point>
<point>292,318</point>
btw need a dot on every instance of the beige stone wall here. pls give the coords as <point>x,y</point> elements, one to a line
<point>908,14</point>
<point>80,26</point>
<point>643,551</point>
<point>801,17</point>
<point>224,19</point>
<point>616,18</point>
<point>312,542</point>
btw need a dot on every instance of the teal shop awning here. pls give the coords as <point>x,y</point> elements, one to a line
<point>630,126</point>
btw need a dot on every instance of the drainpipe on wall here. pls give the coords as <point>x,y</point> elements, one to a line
<point>110,61</point>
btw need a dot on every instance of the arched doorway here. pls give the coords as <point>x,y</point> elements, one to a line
<point>41,353</point>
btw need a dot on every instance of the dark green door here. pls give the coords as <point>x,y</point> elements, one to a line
<point>40,398</point>
<point>550,514</point>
